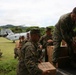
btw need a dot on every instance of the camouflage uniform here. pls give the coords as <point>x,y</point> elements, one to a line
<point>18,48</point>
<point>63,30</point>
<point>44,43</point>
<point>0,53</point>
<point>28,64</point>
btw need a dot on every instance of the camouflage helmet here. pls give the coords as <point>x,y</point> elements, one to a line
<point>35,31</point>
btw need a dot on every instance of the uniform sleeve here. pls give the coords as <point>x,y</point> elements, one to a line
<point>41,40</point>
<point>65,33</point>
<point>31,62</point>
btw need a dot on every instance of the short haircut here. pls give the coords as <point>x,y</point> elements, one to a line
<point>74,10</point>
<point>22,37</point>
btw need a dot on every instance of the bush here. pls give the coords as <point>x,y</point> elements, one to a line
<point>8,66</point>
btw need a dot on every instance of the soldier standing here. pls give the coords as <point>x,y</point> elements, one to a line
<point>19,45</point>
<point>46,40</point>
<point>28,36</point>
<point>0,53</point>
<point>28,64</point>
<point>64,30</point>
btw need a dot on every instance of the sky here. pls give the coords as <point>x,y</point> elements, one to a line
<point>40,13</point>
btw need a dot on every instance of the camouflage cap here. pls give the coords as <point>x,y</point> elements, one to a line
<point>35,31</point>
<point>48,29</point>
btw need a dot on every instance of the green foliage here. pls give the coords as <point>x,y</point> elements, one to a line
<point>8,64</point>
<point>42,29</point>
<point>11,73</point>
<point>52,27</point>
<point>29,28</point>
<point>17,30</point>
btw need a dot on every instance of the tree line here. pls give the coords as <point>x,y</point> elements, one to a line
<point>20,29</point>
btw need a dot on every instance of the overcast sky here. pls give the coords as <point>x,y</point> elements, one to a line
<point>40,13</point>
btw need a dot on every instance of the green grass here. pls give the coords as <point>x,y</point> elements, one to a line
<point>7,62</point>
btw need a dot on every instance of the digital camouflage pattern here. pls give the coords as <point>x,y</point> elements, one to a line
<point>64,29</point>
<point>43,40</point>
<point>18,47</point>
<point>28,63</point>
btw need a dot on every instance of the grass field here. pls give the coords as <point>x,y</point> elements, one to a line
<point>7,62</point>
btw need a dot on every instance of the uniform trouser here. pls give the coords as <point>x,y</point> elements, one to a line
<point>71,53</point>
<point>21,69</point>
<point>56,42</point>
<point>56,52</point>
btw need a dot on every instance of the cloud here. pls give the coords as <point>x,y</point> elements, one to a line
<point>33,12</point>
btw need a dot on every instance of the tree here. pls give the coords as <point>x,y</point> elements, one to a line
<point>17,30</point>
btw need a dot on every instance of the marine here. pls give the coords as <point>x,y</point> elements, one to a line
<point>46,40</point>
<point>64,30</point>
<point>30,56</point>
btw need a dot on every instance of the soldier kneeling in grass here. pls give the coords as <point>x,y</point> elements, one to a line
<point>0,53</point>
<point>19,45</point>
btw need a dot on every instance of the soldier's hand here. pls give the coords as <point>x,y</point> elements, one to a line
<point>49,40</point>
<point>40,46</point>
<point>40,61</point>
